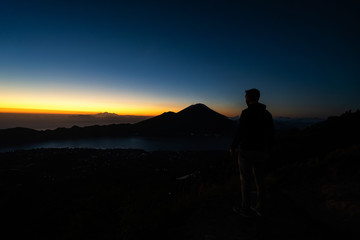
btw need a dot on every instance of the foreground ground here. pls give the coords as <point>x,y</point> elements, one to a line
<point>133,194</point>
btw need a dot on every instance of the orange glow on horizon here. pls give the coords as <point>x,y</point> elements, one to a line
<point>127,111</point>
<point>72,100</point>
<point>137,111</point>
<point>72,103</point>
<point>48,111</point>
<point>42,111</point>
<point>69,102</point>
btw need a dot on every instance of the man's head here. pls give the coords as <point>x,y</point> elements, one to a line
<point>252,96</point>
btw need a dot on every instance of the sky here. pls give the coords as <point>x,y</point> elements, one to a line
<point>148,57</point>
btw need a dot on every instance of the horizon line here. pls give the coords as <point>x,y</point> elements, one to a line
<point>72,112</point>
<point>60,112</point>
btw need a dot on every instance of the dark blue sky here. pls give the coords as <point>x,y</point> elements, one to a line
<point>145,57</point>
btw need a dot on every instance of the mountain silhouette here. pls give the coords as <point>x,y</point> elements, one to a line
<point>197,119</point>
<point>106,115</point>
<point>200,112</point>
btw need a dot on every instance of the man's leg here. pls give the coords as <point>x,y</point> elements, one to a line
<point>258,171</point>
<point>245,178</point>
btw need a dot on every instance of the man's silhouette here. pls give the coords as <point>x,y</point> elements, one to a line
<point>253,144</point>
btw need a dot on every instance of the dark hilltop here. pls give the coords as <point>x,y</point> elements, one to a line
<point>196,119</point>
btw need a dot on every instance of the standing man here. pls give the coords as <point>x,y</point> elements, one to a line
<point>253,145</point>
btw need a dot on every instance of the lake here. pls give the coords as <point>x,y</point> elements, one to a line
<point>145,143</point>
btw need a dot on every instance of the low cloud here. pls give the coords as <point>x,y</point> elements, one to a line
<point>53,121</point>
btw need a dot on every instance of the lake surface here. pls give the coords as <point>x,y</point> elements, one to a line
<point>145,143</point>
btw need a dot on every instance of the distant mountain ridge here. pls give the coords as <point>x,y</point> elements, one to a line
<point>286,123</point>
<point>106,115</point>
<point>332,133</point>
<point>53,121</point>
<point>195,120</point>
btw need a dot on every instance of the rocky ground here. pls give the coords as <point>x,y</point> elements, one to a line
<point>133,194</point>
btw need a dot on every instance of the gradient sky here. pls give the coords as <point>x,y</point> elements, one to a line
<point>147,57</point>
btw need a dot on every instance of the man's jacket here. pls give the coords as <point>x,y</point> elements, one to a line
<point>255,130</point>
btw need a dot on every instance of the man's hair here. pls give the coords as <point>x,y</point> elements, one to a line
<point>253,94</point>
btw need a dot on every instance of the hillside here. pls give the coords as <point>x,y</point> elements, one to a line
<point>318,168</point>
<point>133,194</point>
<point>312,184</point>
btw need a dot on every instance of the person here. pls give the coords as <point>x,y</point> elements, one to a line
<point>252,143</point>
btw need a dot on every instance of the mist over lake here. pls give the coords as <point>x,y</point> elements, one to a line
<point>145,143</point>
